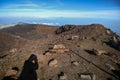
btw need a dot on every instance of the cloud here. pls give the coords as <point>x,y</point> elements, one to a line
<point>43,10</point>
<point>47,23</point>
<point>13,6</point>
<point>28,6</point>
<point>23,4</point>
<point>52,13</point>
<point>51,23</point>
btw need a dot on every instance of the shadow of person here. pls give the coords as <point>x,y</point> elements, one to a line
<point>29,69</point>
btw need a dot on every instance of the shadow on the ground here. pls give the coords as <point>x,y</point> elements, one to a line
<point>116,72</point>
<point>29,69</point>
<point>90,52</point>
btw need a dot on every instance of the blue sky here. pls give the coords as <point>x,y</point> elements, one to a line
<point>61,12</point>
<point>105,9</point>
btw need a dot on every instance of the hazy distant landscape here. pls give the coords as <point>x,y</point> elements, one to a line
<point>113,24</point>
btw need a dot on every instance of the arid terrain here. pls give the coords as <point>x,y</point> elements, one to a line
<point>69,52</point>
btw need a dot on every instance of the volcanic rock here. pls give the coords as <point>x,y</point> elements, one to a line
<point>99,52</point>
<point>75,63</point>
<point>75,37</point>
<point>87,77</point>
<point>59,46</point>
<point>53,63</point>
<point>62,76</point>
<point>12,72</point>
<point>13,50</point>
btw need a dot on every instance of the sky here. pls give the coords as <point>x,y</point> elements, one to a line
<point>107,9</point>
<point>61,12</point>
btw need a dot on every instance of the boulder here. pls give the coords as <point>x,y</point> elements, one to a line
<point>99,52</point>
<point>75,37</point>
<point>12,72</point>
<point>62,76</point>
<point>75,63</point>
<point>108,31</point>
<point>59,51</point>
<point>13,50</point>
<point>114,42</point>
<point>59,46</point>
<point>89,76</point>
<point>53,63</point>
<point>64,28</point>
<point>85,77</point>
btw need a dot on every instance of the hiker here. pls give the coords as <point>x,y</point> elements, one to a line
<point>29,69</point>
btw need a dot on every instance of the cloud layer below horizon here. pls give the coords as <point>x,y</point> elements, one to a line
<point>46,13</point>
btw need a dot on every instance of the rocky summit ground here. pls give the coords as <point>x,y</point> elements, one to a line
<point>69,52</point>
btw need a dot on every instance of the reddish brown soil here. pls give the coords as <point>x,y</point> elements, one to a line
<point>37,39</point>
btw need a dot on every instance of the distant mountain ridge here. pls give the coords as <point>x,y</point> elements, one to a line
<point>6,25</point>
<point>10,25</point>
